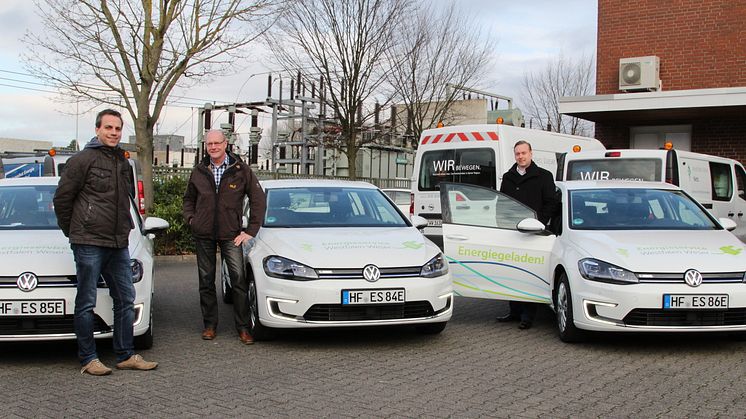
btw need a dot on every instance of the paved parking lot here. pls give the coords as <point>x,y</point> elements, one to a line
<point>476,367</point>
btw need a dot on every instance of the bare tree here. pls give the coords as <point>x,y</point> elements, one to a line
<point>438,47</point>
<point>543,90</point>
<point>342,42</point>
<point>132,53</point>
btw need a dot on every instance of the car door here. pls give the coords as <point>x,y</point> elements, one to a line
<point>739,210</point>
<point>488,256</point>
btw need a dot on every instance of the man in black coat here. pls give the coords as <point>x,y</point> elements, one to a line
<point>533,186</point>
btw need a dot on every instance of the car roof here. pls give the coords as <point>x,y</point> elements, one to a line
<point>34,180</point>
<point>614,184</point>
<point>396,190</point>
<point>315,183</point>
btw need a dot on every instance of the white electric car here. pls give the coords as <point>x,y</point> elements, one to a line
<point>338,253</point>
<point>622,256</point>
<point>37,268</point>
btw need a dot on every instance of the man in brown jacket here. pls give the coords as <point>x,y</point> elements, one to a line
<point>213,205</point>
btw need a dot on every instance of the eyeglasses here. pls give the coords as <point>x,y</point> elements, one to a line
<point>214,144</point>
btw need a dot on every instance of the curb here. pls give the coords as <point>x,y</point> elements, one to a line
<point>175,258</point>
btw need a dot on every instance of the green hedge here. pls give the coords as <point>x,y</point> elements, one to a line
<point>167,203</point>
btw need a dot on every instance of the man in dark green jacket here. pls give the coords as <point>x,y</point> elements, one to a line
<point>213,208</point>
<point>533,186</point>
<point>92,204</point>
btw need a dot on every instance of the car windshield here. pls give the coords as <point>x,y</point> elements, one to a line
<point>636,209</point>
<point>27,208</point>
<point>330,207</point>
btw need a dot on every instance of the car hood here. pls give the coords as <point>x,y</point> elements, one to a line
<point>43,252</point>
<point>350,247</point>
<point>666,251</point>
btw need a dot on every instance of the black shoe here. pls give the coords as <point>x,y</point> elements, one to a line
<point>507,318</point>
<point>524,325</point>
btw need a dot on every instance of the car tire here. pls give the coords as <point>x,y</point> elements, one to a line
<point>256,329</point>
<point>225,283</point>
<point>563,310</point>
<point>431,328</point>
<point>145,341</point>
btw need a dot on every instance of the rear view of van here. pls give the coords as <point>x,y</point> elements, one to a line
<point>478,155</point>
<point>717,183</point>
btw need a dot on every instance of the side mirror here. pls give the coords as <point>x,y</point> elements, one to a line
<point>154,224</point>
<point>728,224</point>
<point>418,222</point>
<point>530,225</point>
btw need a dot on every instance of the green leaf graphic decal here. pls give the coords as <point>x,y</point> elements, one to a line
<point>412,245</point>
<point>731,250</point>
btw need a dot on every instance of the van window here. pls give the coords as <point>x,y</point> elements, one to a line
<point>741,182</point>
<point>639,169</point>
<point>722,182</point>
<point>475,166</point>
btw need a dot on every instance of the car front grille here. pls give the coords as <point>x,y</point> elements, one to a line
<point>678,278</point>
<point>24,325</point>
<point>357,273</point>
<point>674,318</point>
<point>48,281</point>
<point>339,312</point>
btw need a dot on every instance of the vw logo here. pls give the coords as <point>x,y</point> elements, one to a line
<point>693,278</point>
<point>371,273</point>
<point>27,281</point>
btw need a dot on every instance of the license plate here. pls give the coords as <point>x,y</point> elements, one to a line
<point>32,308</point>
<point>384,296</point>
<point>434,223</point>
<point>694,302</point>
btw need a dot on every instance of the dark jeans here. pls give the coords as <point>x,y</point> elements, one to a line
<point>526,311</point>
<point>92,262</point>
<point>206,255</point>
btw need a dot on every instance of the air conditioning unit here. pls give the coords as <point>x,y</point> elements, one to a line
<point>640,74</point>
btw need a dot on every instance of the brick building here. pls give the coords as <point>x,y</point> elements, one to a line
<point>697,98</point>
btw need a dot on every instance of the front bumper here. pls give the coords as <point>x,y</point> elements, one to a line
<point>639,307</point>
<point>309,304</point>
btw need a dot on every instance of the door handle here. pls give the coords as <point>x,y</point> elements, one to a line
<point>457,237</point>
<point>740,214</point>
<point>730,214</point>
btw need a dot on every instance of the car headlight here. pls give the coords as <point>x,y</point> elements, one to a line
<point>437,266</point>
<point>280,267</point>
<point>596,270</point>
<point>137,270</point>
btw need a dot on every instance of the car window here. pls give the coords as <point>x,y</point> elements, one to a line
<point>636,209</point>
<point>330,207</point>
<point>27,208</point>
<point>482,207</point>
<point>741,182</point>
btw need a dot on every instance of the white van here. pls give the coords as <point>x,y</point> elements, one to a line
<point>478,155</point>
<point>717,183</point>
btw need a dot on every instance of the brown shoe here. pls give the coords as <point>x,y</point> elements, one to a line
<point>95,367</point>
<point>135,362</point>
<point>245,337</point>
<point>208,333</point>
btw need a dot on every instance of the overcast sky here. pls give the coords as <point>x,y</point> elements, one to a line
<point>529,34</point>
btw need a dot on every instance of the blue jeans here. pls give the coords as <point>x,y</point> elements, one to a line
<point>113,264</point>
